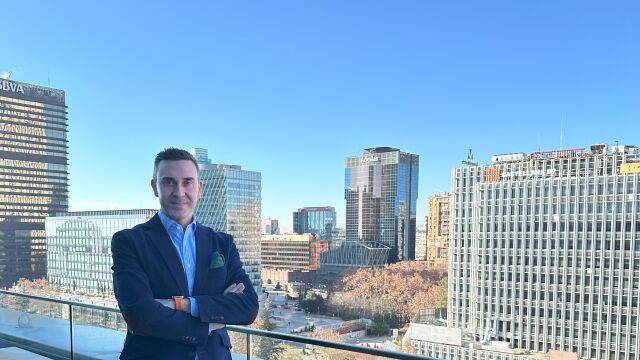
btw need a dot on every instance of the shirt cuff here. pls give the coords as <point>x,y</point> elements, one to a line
<point>195,312</point>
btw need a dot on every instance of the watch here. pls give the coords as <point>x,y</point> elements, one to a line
<point>178,302</point>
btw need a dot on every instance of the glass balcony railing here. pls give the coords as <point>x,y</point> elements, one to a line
<point>61,329</point>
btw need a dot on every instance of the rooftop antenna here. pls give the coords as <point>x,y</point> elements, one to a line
<point>539,141</point>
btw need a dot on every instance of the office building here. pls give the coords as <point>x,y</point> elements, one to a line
<point>201,155</point>
<point>231,203</point>
<point>421,243</point>
<point>291,258</point>
<point>315,220</point>
<point>448,343</point>
<point>381,191</point>
<point>339,235</point>
<point>79,247</point>
<point>33,175</point>
<point>437,240</point>
<point>270,226</point>
<point>545,251</point>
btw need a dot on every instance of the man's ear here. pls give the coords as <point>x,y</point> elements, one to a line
<point>154,186</point>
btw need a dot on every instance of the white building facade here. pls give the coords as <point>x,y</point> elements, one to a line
<point>545,251</point>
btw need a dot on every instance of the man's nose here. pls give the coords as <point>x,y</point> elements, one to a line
<point>178,190</point>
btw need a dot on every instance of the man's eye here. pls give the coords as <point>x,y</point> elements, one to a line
<point>166,182</point>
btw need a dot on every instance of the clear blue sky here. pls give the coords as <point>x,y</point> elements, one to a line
<point>289,88</point>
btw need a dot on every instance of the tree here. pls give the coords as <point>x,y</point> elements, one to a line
<point>317,352</point>
<point>397,289</point>
<point>268,348</point>
<point>442,293</point>
<point>314,303</point>
<point>263,347</point>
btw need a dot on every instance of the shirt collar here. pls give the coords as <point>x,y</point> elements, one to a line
<point>169,223</point>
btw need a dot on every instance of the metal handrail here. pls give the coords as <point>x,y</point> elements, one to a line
<point>328,343</point>
<point>245,330</point>
<point>60,301</point>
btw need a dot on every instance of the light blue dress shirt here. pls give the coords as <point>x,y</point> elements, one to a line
<point>184,240</point>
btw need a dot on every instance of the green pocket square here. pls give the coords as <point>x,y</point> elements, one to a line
<point>217,260</point>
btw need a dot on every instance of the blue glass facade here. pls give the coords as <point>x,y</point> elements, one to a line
<point>315,220</point>
<point>381,192</point>
<point>79,247</point>
<point>231,202</point>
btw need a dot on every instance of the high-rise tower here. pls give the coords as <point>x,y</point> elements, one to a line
<point>231,202</point>
<point>33,175</point>
<point>381,191</point>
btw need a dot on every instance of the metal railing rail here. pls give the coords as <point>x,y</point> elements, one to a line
<point>328,344</point>
<point>241,329</point>
<point>60,301</point>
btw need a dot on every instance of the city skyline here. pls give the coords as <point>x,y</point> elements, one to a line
<point>265,87</point>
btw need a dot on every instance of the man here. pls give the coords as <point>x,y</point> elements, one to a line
<point>177,282</point>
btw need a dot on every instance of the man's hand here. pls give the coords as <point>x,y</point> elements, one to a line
<point>234,289</point>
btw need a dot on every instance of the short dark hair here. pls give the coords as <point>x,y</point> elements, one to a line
<point>173,154</point>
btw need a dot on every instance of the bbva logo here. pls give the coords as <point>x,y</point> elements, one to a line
<point>11,86</point>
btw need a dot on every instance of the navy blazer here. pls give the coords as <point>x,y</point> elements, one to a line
<point>146,266</point>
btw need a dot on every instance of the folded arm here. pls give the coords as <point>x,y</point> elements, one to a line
<point>144,315</point>
<point>238,305</point>
<point>189,305</point>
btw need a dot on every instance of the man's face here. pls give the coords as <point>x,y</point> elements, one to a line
<point>177,186</point>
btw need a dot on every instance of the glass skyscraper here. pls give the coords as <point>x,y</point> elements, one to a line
<point>79,247</point>
<point>381,191</point>
<point>231,203</point>
<point>315,220</point>
<point>33,175</point>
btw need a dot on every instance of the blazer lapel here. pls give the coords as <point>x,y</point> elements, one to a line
<point>160,238</point>
<point>203,258</point>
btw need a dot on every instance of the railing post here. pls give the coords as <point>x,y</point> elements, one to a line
<point>248,346</point>
<point>71,329</point>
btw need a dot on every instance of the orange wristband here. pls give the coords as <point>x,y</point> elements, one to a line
<point>178,302</point>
